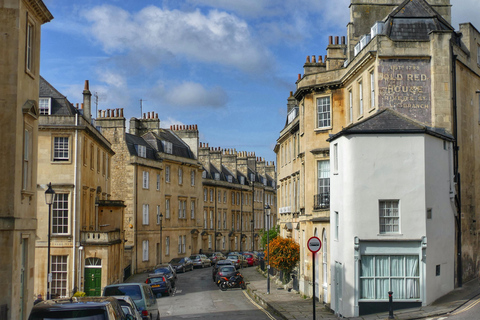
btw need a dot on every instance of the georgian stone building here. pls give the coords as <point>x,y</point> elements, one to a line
<point>237,186</point>
<point>86,227</point>
<point>181,196</point>
<point>20,24</point>
<point>404,57</point>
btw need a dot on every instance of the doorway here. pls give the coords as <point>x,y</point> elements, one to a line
<point>93,277</point>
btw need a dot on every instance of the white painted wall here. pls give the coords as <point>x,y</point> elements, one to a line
<point>410,168</point>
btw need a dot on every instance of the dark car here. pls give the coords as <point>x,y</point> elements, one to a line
<point>141,294</point>
<point>181,264</point>
<point>92,308</point>
<point>252,259</point>
<point>168,271</point>
<point>220,263</point>
<point>159,284</point>
<point>225,272</point>
<point>216,256</point>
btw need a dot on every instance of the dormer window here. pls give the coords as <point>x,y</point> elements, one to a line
<point>242,180</point>
<point>264,181</point>
<point>204,174</point>
<point>167,147</point>
<point>45,106</point>
<point>142,151</point>
<point>217,176</point>
<point>229,178</point>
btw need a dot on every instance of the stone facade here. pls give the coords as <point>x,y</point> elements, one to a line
<point>400,55</point>
<point>75,158</point>
<point>20,24</point>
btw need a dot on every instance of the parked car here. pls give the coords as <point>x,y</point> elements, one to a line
<point>207,259</point>
<point>129,306</point>
<point>252,259</point>
<point>260,254</point>
<point>220,263</point>
<point>238,260</point>
<point>168,271</point>
<point>142,295</point>
<point>181,264</point>
<point>199,260</point>
<point>94,308</point>
<point>225,272</point>
<point>216,256</point>
<point>160,284</point>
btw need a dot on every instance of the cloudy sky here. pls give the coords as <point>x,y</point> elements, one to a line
<point>227,66</point>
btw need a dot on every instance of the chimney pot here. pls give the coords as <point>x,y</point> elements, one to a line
<point>330,40</point>
<point>336,40</point>
<point>299,76</point>
<point>314,60</point>
<point>99,113</point>
<point>121,112</point>
<point>343,39</point>
<point>320,59</point>
<point>308,59</point>
<point>81,106</point>
<point>325,58</point>
<point>87,85</point>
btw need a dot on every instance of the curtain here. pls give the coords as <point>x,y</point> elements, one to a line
<point>367,284</point>
<point>413,284</point>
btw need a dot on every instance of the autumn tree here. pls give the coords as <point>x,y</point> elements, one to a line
<point>284,254</point>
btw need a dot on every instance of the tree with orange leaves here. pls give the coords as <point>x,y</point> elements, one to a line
<point>284,254</point>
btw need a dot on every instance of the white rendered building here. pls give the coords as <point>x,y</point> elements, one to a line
<point>392,216</point>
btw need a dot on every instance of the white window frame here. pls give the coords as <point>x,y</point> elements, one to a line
<point>30,46</point>
<point>59,267</point>
<point>324,112</point>
<point>389,216</point>
<point>142,151</point>
<point>45,106</point>
<point>179,244</point>
<point>167,208</point>
<point>205,194</point>
<point>184,243</point>
<point>145,214</point>
<point>205,219</point>
<point>167,147</point>
<point>145,179</point>
<point>167,173</point>
<point>372,90</point>
<point>61,149</point>
<point>192,209</point>
<point>60,214</point>
<point>360,98</point>
<point>211,219</point>
<point>145,250</point>
<point>211,195</point>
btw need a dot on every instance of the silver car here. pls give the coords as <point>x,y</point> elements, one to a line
<point>129,306</point>
<point>199,260</point>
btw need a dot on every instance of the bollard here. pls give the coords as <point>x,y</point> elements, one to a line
<point>390,305</point>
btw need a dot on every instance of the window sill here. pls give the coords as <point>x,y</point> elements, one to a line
<point>390,235</point>
<point>322,129</point>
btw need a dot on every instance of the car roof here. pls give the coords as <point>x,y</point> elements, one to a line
<point>75,302</point>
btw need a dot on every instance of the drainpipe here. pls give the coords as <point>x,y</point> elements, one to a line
<point>455,169</point>
<point>74,205</point>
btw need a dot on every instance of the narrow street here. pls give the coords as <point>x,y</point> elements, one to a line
<point>197,297</point>
<point>471,310</point>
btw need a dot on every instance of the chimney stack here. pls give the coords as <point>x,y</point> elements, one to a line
<point>87,102</point>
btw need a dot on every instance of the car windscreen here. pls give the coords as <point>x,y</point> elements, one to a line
<point>162,270</point>
<point>131,291</point>
<point>156,280</point>
<point>81,314</point>
<point>176,260</point>
<point>227,269</point>
<point>194,257</point>
<point>232,257</point>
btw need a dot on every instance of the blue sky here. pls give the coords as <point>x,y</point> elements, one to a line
<point>227,66</point>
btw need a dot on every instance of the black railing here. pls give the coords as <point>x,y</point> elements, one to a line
<point>321,201</point>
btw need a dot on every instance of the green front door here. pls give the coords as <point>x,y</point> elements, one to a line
<point>93,281</point>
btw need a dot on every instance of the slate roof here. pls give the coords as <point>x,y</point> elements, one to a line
<point>414,20</point>
<point>59,103</point>
<point>387,121</point>
<point>134,141</point>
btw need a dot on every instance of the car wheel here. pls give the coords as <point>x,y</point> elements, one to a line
<point>170,292</point>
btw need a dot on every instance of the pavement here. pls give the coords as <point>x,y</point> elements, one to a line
<point>288,305</point>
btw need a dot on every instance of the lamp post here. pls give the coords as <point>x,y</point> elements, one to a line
<point>49,197</point>
<point>267,211</point>
<point>253,236</point>
<point>161,238</point>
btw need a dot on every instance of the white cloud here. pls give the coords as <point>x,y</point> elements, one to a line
<point>190,94</point>
<point>166,123</point>
<point>216,37</point>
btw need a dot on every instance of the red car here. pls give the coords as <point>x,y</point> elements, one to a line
<point>252,260</point>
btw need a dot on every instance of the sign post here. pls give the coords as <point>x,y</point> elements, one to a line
<point>314,244</point>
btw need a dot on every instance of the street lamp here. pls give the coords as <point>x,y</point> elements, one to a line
<point>267,211</point>
<point>161,238</point>
<point>253,236</point>
<point>49,198</point>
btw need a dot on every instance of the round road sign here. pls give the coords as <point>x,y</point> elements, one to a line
<point>314,244</point>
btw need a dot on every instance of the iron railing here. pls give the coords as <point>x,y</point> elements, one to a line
<point>321,201</point>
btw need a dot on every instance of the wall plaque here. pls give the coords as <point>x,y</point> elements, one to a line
<point>405,86</point>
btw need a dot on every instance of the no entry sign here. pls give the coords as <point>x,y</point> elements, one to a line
<point>314,244</point>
